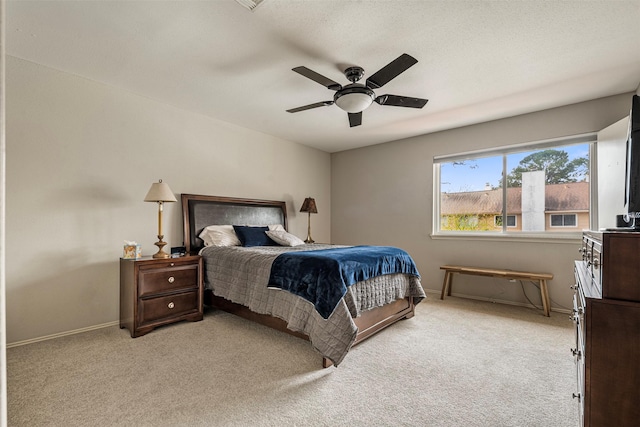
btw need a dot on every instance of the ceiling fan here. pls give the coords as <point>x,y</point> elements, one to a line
<point>354,98</point>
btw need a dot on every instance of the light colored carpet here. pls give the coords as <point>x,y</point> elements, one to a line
<point>456,363</point>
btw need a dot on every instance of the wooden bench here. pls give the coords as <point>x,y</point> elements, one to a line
<point>541,278</point>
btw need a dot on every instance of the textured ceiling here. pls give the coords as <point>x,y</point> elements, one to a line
<point>477,60</point>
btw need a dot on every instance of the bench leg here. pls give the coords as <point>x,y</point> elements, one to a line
<point>446,284</point>
<point>544,293</point>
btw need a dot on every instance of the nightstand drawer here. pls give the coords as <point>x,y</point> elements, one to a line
<point>166,280</point>
<point>167,306</point>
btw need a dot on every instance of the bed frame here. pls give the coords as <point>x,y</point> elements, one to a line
<point>199,211</point>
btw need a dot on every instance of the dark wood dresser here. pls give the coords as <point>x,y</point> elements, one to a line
<point>155,292</point>
<point>606,312</point>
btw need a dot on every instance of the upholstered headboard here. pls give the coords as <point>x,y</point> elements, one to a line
<point>200,211</point>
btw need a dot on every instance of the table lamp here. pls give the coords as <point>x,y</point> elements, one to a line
<point>160,193</point>
<point>309,206</point>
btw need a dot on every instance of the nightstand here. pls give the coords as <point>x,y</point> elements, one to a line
<point>156,292</point>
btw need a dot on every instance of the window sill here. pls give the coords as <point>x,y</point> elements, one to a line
<point>568,237</point>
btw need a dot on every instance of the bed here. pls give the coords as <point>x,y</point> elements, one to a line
<point>240,280</point>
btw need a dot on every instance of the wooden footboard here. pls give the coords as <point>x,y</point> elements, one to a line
<point>369,323</point>
<point>376,319</point>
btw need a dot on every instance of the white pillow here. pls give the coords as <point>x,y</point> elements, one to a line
<point>283,238</point>
<point>219,235</point>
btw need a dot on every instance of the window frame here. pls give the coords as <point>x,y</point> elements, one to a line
<point>563,215</point>
<point>515,220</point>
<point>504,151</point>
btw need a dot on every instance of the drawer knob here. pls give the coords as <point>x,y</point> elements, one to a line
<point>577,396</point>
<point>171,305</point>
<point>171,279</point>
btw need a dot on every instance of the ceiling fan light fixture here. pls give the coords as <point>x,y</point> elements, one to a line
<point>354,99</point>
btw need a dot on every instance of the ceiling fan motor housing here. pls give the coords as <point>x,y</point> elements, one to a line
<point>353,74</point>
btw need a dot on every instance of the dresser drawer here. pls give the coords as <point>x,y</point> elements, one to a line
<point>165,307</point>
<point>592,254</point>
<point>168,279</point>
<point>595,264</point>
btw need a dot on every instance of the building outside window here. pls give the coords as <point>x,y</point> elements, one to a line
<point>539,188</point>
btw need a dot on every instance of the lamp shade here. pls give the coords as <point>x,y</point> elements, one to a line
<point>160,192</point>
<point>309,205</point>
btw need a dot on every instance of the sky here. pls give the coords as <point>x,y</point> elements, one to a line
<point>473,175</point>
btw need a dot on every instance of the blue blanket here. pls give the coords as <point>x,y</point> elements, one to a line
<point>322,276</point>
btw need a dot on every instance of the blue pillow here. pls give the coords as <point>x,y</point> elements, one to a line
<point>253,236</point>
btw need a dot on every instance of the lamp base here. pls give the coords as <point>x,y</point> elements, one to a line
<point>161,253</point>
<point>309,239</point>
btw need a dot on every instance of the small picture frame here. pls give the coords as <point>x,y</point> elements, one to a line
<point>178,251</point>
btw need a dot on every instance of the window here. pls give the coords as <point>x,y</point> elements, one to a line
<point>564,220</point>
<point>511,220</point>
<point>534,188</point>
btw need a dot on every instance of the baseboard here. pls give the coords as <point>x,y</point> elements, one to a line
<point>499,301</point>
<point>63,334</point>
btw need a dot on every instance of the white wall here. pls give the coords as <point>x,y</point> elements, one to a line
<point>3,317</point>
<point>383,195</point>
<point>81,157</point>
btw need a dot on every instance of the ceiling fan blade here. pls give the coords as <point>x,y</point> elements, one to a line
<point>401,101</point>
<point>355,119</point>
<point>318,78</point>
<point>310,106</point>
<point>391,71</point>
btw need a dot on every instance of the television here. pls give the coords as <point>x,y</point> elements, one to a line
<point>631,217</point>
